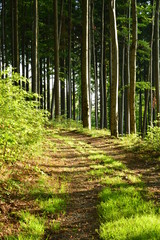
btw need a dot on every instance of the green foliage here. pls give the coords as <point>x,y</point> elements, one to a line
<point>52,205</point>
<point>124,211</point>
<point>152,140</point>
<point>21,122</point>
<point>135,228</point>
<point>32,227</point>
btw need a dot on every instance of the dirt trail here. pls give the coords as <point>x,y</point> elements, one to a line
<point>81,219</point>
<point>66,158</point>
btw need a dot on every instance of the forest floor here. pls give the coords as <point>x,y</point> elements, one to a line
<point>64,172</point>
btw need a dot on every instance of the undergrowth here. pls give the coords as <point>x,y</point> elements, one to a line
<point>21,120</point>
<point>124,210</point>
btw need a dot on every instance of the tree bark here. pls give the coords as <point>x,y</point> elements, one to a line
<point>115,70</point>
<point>15,40</point>
<point>48,84</point>
<point>102,66</point>
<point>85,82</point>
<point>95,67</point>
<point>56,59</point>
<point>150,75</point>
<point>69,92</point>
<point>35,50</point>
<point>133,55</point>
<point>157,61</point>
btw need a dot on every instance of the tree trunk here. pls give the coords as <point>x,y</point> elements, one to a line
<point>127,82</point>
<point>89,55</point>
<point>69,97</point>
<point>44,83</point>
<point>157,60</point>
<point>3,36</point>
<point>122,92</point>
<point>150,75</point>
<point>104,71</point>
<point>41,84</point>
<point>95,68</point>
<point>15,41</point>
<point>60,22</point>
<point>115,70</point>
<point>133,54</point>
<point>35,50</point>
<point>48,84</point>
<point>102,65</point>
<point>56,58</point>
<point>62,84</point>
<point>85,81</point>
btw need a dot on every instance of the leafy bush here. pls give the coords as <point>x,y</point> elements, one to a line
<point>21,122</point>
<point>152,140</point>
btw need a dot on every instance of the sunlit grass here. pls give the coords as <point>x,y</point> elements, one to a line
<point>145,227</point>
<point>32,227</point>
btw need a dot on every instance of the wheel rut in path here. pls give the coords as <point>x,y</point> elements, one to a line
<point>81,219</point>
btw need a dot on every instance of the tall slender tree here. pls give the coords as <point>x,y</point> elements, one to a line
<point>102,66</point>
<point>157,60</point>
<point>115,70</point>
<point>85,81</point>
<point>133,54</point>
<point>94,66</point>
<point>56,59</point>
<point>15,36</point>
<point>127,76</point>
<point>69,87</point>
<point>35,50</point>
<point>150,75</point>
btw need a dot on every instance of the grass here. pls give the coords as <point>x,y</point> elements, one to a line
<point>42,199</point>
<point>124,211</point>
<point>144,227</point>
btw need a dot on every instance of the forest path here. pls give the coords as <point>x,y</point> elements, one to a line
<point>71,161</point>
<point>64,170</point>
<point>70,164</point>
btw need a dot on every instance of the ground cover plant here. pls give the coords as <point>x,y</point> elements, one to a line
<point>21,122</point>
<point>125,210</point>
<point>31,201</point>
<point>77,173</point>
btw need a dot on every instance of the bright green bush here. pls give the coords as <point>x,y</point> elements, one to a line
<point>152,140</point>
<point>21,122</point>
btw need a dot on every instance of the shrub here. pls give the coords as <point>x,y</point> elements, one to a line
<point>21,122</point>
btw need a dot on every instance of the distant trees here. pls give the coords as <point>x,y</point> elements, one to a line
<point>86,58</point>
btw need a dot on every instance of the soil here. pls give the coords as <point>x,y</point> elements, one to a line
<point>81,220</point>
